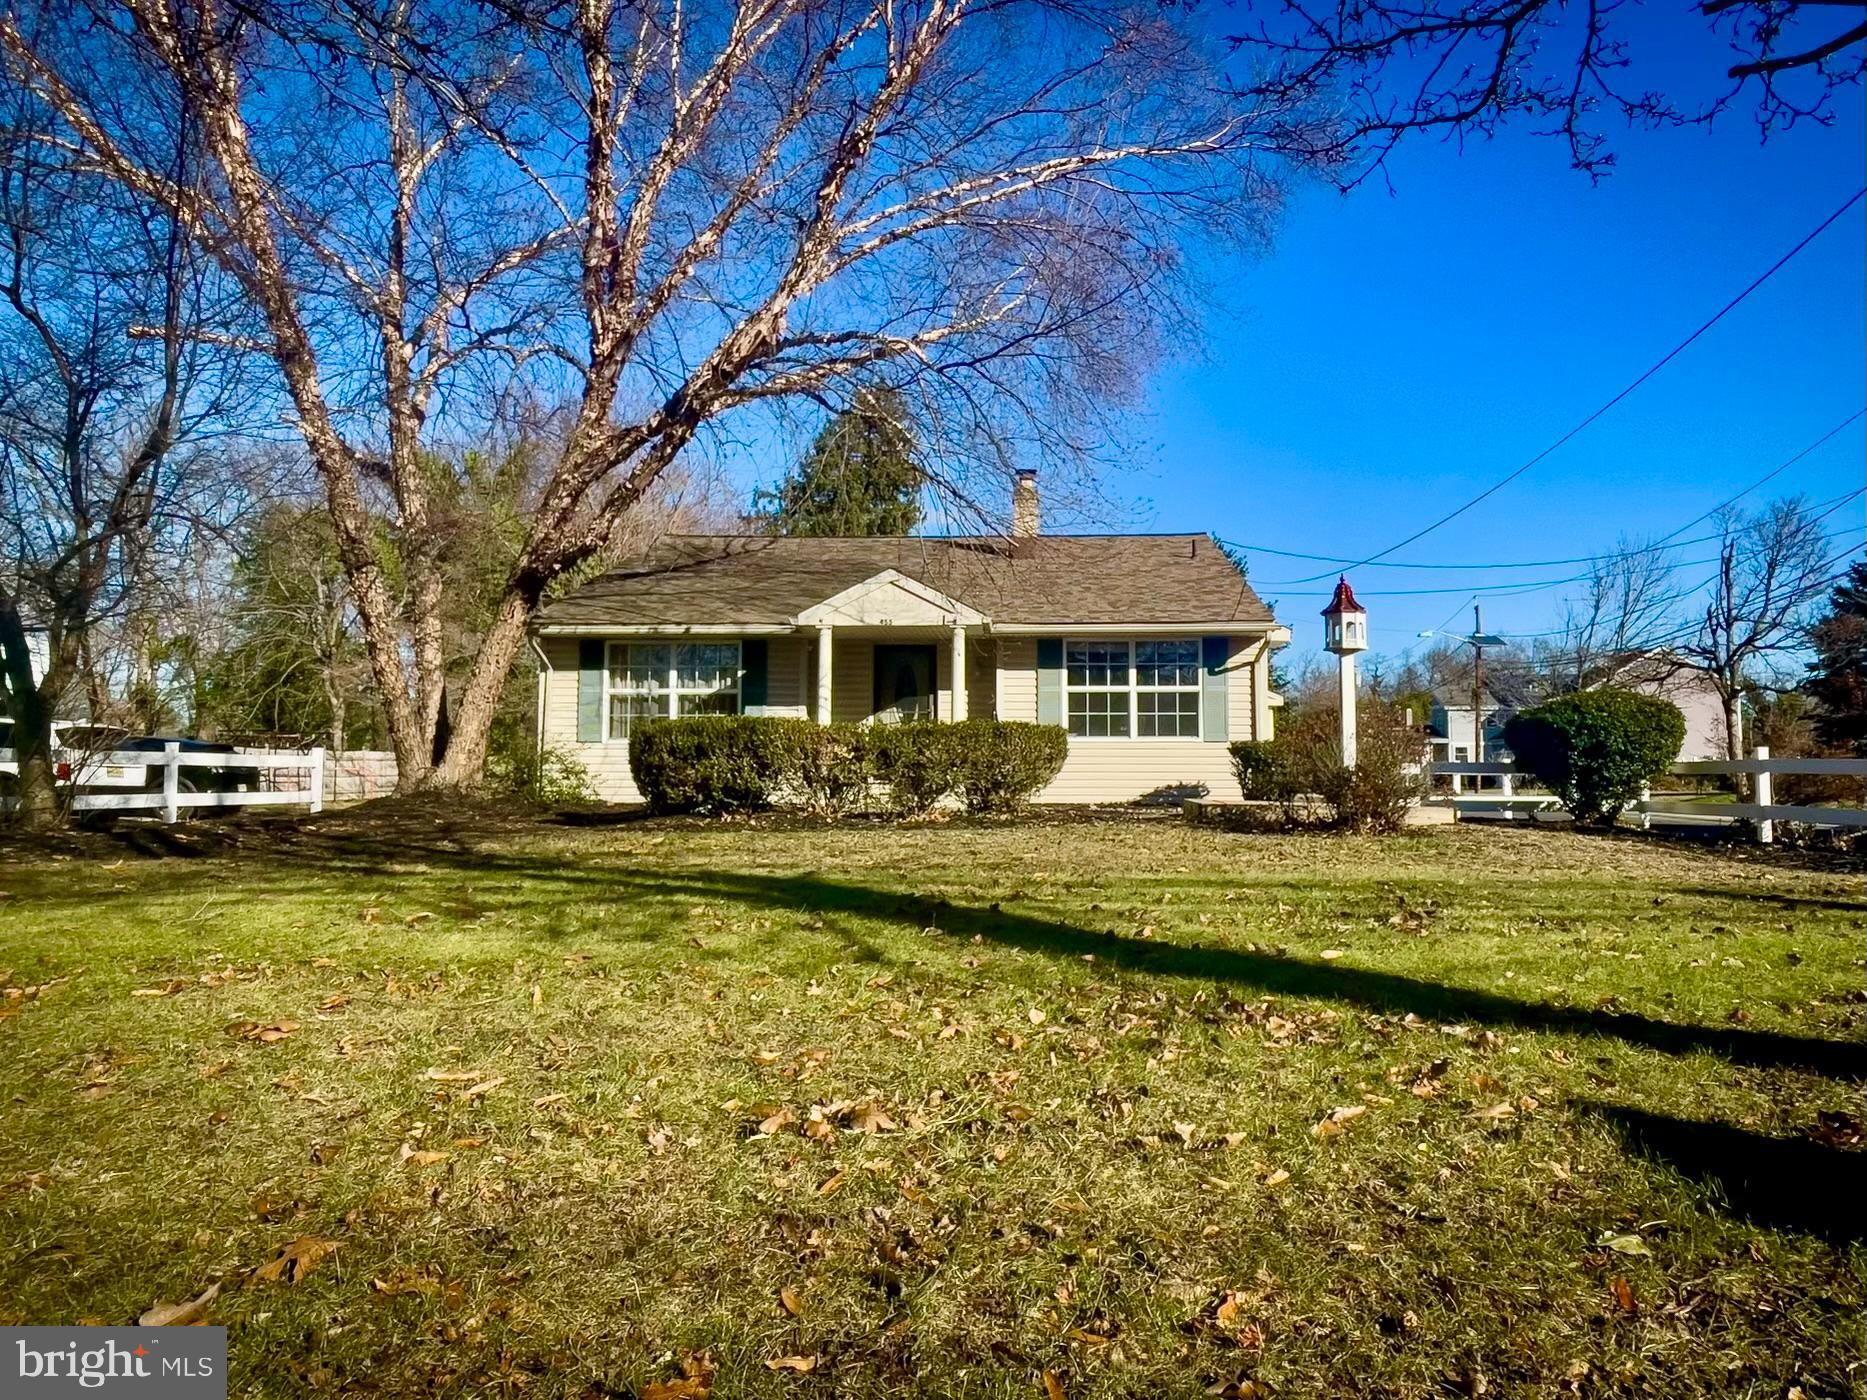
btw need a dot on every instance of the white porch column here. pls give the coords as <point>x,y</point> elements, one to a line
<point>958,678</point>
<point>824,656</point>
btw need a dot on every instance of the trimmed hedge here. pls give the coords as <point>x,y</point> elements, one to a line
<point>1004,763</point>
<point>1596,749</point>
<point>740,763</point>
<point>710,763</point>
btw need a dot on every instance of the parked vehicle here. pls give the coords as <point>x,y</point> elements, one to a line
<point>92,757</point>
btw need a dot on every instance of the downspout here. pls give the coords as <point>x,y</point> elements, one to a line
<point>538,706</point>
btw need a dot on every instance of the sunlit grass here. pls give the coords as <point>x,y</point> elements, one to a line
<point>518,1075</point>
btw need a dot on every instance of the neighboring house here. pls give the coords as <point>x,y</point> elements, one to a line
<point>1670,676</point>
<point>1152,650</point>
<point>1451,726</point>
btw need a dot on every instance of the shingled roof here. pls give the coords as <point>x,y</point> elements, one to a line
<point>1060,580</point>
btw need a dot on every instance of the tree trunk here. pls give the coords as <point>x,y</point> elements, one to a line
<point>464,762</point>
<point>29,705</point>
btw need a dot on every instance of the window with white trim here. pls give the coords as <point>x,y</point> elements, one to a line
<point>657,680</point>
<point>1149,690</point>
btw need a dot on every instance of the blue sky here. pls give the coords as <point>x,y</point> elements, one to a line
<point>1397,352</point>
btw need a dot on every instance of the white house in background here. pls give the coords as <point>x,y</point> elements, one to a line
<point>1662,672</point>
<point>1152,651</point>
<point>1453,731</point>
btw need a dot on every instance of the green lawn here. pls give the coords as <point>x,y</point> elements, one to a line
<point>1090,1109</point>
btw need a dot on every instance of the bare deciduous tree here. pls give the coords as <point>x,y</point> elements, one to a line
<point>1773,567</point>
<point>107,402</point>
<point>1627,604</point>
<point>660,213</point>
<point>1464,67</point>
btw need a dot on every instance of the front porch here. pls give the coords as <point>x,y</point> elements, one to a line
<point>892,648</point>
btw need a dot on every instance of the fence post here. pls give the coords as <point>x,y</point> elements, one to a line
<point>317,779</point>
<point>171,781</point>
<point>1765,795</point>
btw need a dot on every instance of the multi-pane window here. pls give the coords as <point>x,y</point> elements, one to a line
<point>1147,689</point>
<point>654,680</point>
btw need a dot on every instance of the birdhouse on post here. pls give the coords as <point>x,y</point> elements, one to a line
<point>1345,632</point>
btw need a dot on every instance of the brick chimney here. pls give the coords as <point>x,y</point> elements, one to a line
<point>1025,521</point>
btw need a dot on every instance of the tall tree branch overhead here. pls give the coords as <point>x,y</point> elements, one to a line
<point>1461,67</point>
<point>646,215</point>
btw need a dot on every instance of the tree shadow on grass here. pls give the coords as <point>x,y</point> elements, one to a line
<point>1778,1183</point>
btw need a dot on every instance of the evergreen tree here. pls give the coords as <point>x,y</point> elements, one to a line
<point>1838,675</point>
<point>860,476</point>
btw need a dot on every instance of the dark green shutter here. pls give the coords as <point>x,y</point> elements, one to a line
<point>1050,680</point>
<point>1215,652</point>
<point>590,691</point>
<point>755,684</point>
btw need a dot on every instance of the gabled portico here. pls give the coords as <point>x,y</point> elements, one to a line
<point>896,615</point>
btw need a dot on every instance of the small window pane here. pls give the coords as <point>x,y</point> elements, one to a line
<point>719,702</point>
<point>1098,663</point>
<point>1167,714</point>
<point>642,669</point>
<point>1099,714</point>
<point>625,710</point>
<point>707,666</point>
<point>1167,663</point>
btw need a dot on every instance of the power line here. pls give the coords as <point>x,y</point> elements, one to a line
<point>1664,542</point>
<point>1644,376</point>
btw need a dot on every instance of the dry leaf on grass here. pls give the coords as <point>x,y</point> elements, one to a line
<point>802,1365</point>
<point>871,1117</point>
<point>484,1087</point>
<point>791,1301</point>
<point>1333,1120</point>
<point>410,1155</point>
<point>687,1388</point>
<point>1053,1388</point>
<point>834,1184</point>
<point>1623,1292</point>
<point>455,1076</point>
<point>264,1033</point>
<point>192,1313</point>
<point>295,1260</point>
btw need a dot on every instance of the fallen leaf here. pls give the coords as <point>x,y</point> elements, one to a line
<point>802,1365</point>
<point>1053,1388</point>
<point>295,1260</point>
<point>834,1184</point>
<point>419,917</point>
<point>871,1117</point>
<point>1277,1178</point>
<point>192,1313</point>
<point>687,1388</point>
<point>455,1076</point>
<point>1624,1244</point>
<point>413,1156</point>
<point>790,1300</point>
<point>1331,954</point>
<point>1623,1292</point>
<point>1333,1120</point>
<point>484,1087</point>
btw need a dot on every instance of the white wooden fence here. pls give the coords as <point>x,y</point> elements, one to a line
<point>1764,810</point>
<point>171,799</point>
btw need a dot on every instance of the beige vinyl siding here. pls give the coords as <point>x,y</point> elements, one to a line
<point>1123,770</point>
<point>1017,678</point>
<point>608,761</point>
<point>852,678</point>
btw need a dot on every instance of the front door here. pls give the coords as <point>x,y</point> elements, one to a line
<point>904,682</point>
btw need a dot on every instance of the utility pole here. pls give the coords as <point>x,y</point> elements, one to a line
<point>1478,684</point>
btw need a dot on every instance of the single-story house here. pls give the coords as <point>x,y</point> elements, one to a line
<point>1151,650</point>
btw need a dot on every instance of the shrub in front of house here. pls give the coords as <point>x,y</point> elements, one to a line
<point>710,763</point>
<point>828,767</point>
<point>1301,768</point>
<point>550,776</point>
<point>1003,764</point>
<point>920,762</point>
<point>1598,748</point>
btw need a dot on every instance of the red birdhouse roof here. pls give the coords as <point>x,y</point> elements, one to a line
<point>1344,600</point>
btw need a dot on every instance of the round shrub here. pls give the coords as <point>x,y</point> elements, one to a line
<point>710,763</point>
<point>828,766</point>
<point>1596,749</point>
<point>919,761</point>
<point>1005,763</point>
<point>550,776</point>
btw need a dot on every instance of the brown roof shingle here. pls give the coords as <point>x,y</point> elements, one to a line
<point>719,580</point>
